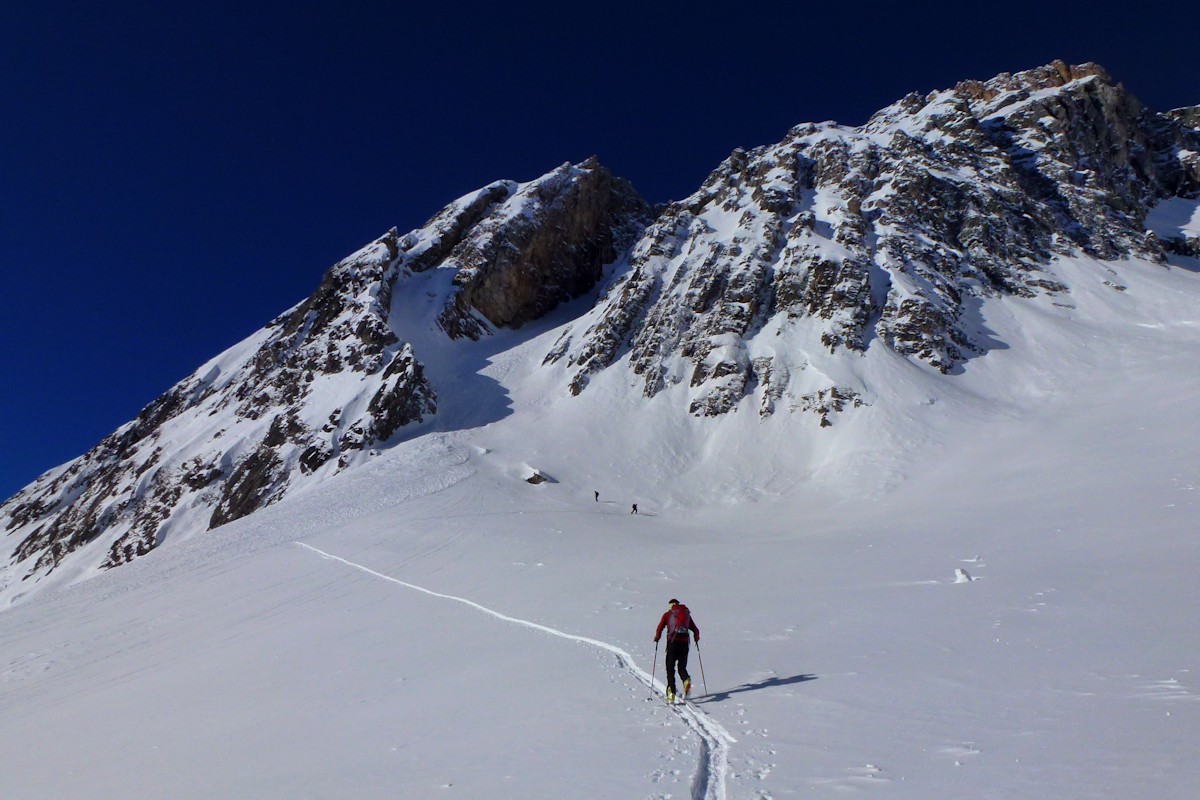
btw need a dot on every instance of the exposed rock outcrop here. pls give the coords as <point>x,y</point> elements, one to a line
<point>894,231</point>
<point>231,437</point>
<point>543,245</point>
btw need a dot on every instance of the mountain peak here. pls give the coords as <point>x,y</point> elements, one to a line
<point>519,250</point>
<point>326,383</point>
<point>1053,75</point>
<point>894,232</point>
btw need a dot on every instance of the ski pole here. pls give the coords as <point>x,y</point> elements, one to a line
<point>701,666</point>
<point>654,666</point>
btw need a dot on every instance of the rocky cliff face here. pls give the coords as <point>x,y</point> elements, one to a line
<point>323,384</point>
<point>890,232</point>
<point>543,244</point>
<point>828,243</point>
<point>231,437</point>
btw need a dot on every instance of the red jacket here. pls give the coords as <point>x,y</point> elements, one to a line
<point>679,633</point>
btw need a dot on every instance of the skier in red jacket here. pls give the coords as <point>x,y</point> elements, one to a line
<point>677,620</point>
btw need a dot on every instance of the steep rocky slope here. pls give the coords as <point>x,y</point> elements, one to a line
<point>324,383</point>
<point>893,231</point>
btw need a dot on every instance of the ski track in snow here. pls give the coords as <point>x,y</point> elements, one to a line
<point>709,780</point>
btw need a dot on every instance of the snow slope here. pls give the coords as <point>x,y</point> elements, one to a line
<point>979,585</point>
<point>1174,217</point>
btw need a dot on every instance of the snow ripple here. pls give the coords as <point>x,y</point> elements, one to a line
<point>709,780</point>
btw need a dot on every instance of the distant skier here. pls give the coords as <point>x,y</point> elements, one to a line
<point>597,496</point>
<point>634,509</point>
<point>678,621</point>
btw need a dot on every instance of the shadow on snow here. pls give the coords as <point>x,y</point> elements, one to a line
<point>769,683</point>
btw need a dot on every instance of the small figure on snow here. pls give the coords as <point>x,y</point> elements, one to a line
<point>677,620</point>
<point>597,496</point>
<point>634,509</point>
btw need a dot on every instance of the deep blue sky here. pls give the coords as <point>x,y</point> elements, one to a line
<point>173,176</point>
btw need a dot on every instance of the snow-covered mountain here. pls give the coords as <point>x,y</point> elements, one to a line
<point>908,414</point>
<point>895,231</point>
<point>329,380</point>
<point>759,294</point>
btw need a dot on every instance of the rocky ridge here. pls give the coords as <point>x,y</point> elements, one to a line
<point>326,382</point>
<point>894,231</point>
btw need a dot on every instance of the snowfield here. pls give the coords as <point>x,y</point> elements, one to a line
<point>980,586</point>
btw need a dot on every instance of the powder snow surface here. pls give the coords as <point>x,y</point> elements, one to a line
<point>978,586</point>
<point>1175,216</point>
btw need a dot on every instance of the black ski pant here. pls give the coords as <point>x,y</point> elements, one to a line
<point>677,653</point>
